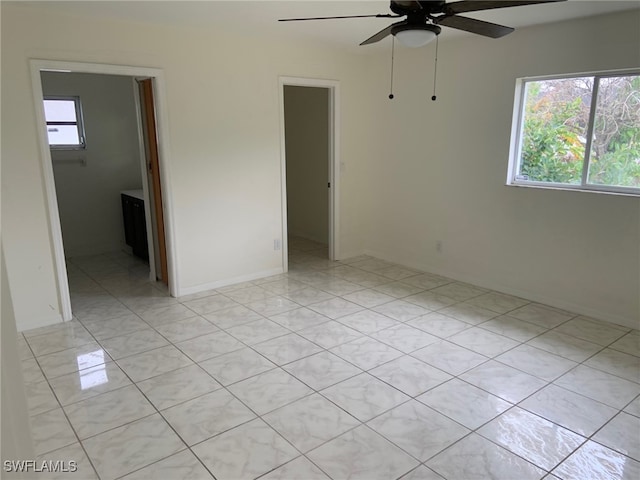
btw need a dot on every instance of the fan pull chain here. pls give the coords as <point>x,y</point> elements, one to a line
<point>393,45</point>
<point>435,72</point>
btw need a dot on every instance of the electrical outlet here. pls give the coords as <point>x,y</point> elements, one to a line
<point>439,246</point>
<point>277,245</point>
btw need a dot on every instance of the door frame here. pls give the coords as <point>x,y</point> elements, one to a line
<point>333,86</point>
<point>55,230</point>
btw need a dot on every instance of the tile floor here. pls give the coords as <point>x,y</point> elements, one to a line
<point>359,369</point>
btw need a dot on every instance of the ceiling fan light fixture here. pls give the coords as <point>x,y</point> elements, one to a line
<point>415,35</point>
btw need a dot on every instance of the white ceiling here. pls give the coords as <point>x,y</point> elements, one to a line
<point>260,17</point>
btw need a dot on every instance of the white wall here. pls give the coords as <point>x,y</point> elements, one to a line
<point>441,173</point>
<point>89,196</point>
<point>15,436</point>
<point>306,112</point>
<point>222,98</point>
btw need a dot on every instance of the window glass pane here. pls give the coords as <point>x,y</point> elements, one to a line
<point>63,135</point>
<point>553,139</point>
<point>60,110</point>
<point>615,147</point>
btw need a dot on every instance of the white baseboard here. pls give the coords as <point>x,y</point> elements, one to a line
<point>229,281</point>
<point>562,304</point>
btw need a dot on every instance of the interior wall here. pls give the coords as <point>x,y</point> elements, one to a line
<point>306,116</point>
<point>440,173</point>
<point>16,439</point>
<point>224,155</point>
<point>89,196</point>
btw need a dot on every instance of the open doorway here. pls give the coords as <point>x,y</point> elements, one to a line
<point>310,183</point>
<point>104,185</point>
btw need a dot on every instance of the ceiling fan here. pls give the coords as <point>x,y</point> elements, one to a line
<point>424,18</point>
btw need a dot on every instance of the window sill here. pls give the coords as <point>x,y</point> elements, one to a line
<point>578,188</point>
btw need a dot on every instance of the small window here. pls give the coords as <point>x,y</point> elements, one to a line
<point>579,132</point>
<point>64,122</point>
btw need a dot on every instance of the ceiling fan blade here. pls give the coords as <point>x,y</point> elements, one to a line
<point>472,25</point>
<point>381,34</point>
<point>477,5</point>
<point>379,15</point>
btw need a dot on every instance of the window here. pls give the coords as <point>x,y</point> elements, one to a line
<point>64,122</point>
<point>580,132</point>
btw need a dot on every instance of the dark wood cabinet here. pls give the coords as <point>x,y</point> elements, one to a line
<point>135,225</point>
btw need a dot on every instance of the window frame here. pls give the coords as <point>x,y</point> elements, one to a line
<point>515,153</point>
<point>79,123</point>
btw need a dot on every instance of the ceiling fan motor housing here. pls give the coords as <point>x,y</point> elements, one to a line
<point>425,7</point>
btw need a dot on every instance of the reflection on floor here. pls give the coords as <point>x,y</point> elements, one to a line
<point>358,369</point>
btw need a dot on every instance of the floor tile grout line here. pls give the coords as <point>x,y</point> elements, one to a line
<point>520,343</point>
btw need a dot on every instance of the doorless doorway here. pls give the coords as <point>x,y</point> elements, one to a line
<point>310,160</point>
<point>156,76</point>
